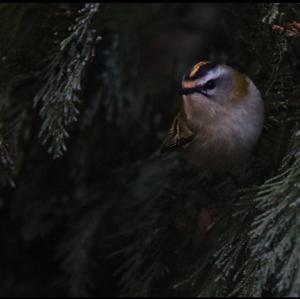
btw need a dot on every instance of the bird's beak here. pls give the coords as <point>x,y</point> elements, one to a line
<point>181,91</point>
<point>185,91</point>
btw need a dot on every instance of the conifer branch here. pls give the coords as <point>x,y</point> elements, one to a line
<point>59,97</point>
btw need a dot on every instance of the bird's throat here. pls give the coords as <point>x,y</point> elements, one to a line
<point>200,109</point>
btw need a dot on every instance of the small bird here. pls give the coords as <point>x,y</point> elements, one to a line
<point>220,120</point>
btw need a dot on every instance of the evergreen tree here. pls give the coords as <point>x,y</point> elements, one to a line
<point>88,207</point>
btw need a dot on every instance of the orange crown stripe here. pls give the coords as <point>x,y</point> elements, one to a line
<point>197,67</point>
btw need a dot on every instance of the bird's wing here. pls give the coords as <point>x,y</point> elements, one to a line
<point>179,134</point>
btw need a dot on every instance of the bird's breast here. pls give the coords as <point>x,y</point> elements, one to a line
<point>223,142</point>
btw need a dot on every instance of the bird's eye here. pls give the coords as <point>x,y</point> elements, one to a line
<point>209,84</point>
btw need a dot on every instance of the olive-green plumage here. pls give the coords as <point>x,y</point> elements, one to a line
<point>179,134</point>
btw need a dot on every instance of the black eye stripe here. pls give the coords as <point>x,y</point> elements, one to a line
<point>210,84</point>
<point>198,89</point>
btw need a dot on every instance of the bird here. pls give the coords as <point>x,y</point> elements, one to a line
<point>220,120</point>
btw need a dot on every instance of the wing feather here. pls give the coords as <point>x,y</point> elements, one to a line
<point>179,134</point>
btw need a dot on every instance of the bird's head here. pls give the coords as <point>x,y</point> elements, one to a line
<point>218,83</point>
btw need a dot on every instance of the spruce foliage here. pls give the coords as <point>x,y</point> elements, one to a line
<point>88,207</point>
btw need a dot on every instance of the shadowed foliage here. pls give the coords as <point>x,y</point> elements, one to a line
<point>88,206</point>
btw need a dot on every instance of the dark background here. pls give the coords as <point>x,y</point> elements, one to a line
<point>102,213</point>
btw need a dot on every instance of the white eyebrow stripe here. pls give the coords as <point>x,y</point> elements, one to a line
<point>211,75</point>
